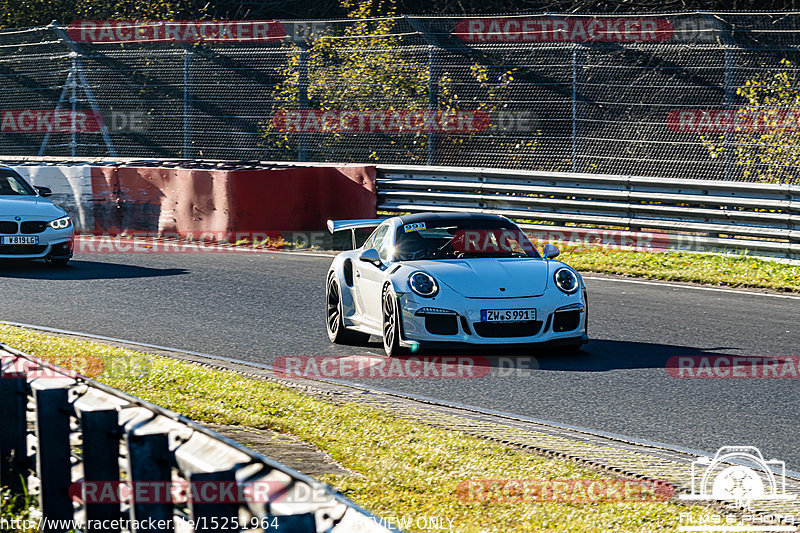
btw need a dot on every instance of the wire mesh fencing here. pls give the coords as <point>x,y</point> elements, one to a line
<point>701,95</point>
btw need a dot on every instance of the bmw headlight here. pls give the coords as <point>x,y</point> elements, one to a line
<point>567,280</point>
<point>423,284</point>
<point>61,223</point>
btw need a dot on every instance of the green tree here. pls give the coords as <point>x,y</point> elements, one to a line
<point>369,63</point>
<point>766,133</point>
<point>351,67</point>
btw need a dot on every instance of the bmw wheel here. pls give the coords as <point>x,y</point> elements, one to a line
<point>337,332</point>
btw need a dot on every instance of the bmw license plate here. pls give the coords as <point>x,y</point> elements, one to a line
<point>19,239</point>
<point>507,315</point>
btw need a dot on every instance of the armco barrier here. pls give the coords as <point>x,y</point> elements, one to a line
<point>688,214</point>
<point>113,197</point>
<point>640,212</point>
<point>176,473</point>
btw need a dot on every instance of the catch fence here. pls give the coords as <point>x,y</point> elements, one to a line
<point>700,95</point>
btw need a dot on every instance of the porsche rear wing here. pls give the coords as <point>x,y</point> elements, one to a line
<point>353,225</point>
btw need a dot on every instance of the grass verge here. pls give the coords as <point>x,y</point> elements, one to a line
<point>715,269</point>
<point>407,470</point>
<point>15,512</point>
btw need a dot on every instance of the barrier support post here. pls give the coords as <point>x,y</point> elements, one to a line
<point>13,431</point>
<point>148,462</point>
<point>219,515</point>
<point>53,463</point>
<point>100,430</point>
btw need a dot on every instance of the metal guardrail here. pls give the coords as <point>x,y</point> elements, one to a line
<point>69,439</point>
<point>695,214</point>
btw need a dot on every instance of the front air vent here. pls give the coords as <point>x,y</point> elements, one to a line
<point>8,227</point>
<point>441,324</point>
<point>21,249</point>
<point>528,328</point>
<point>33,227</point>
<point>566,320</point>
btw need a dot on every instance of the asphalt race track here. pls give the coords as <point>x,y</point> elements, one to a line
<point>261,306</point>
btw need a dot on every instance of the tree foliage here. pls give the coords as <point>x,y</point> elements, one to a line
<point>367,66</point>
<point>766,132</point>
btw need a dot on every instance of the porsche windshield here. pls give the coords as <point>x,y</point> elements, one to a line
<point>12,185</point>
<point>461,239</point>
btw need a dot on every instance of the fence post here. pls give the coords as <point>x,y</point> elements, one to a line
<point>149,464</point>
<point>730,101</point>
<point>219,515</point>
<point>53,463</point>
<point>100,431</point>
<point>188,60</point>
<point>578,59</point>
<point>302,98</point>
<point>13,432</point>
<point>73,100</point>
<point>434,73</point>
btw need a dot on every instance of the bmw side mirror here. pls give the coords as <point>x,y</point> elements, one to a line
<point>44,191</point>
<point>371,256</point>
<point>550,251</point>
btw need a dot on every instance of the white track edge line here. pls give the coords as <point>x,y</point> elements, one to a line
<point>694,287</point>
<point>420,398</point>
<point>326,255</point>
<point>619,280</point>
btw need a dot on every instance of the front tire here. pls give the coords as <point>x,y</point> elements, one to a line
<point>337,332</point>
<point>391,323</point>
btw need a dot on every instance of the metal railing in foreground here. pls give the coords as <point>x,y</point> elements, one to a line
<point>690,214</point>
<point>108,461</point>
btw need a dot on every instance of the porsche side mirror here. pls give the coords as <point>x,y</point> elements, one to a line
<point>44,191</point>
<point>550,251</point>
<point>371,256</point>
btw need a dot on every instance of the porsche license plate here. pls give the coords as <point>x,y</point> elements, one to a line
<point>19,239</point>
<point>507,315</point>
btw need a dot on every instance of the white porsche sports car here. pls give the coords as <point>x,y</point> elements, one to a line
<point>432,279</point>
<point>31,226</point>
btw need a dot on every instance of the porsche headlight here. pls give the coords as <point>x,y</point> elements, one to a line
<point>423,284</point>
<point>61,223</point>
<point>566,280</point>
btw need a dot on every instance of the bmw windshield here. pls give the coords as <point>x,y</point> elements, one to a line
<point>13,185</point>
<point>461,239</point>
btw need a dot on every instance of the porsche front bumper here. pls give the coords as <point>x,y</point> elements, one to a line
<point>559,320</point>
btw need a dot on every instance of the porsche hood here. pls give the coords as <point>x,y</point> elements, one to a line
<point>490,277</point>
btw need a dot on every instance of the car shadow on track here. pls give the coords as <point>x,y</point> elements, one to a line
<point>78,270</point>
<point>596,356</point>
